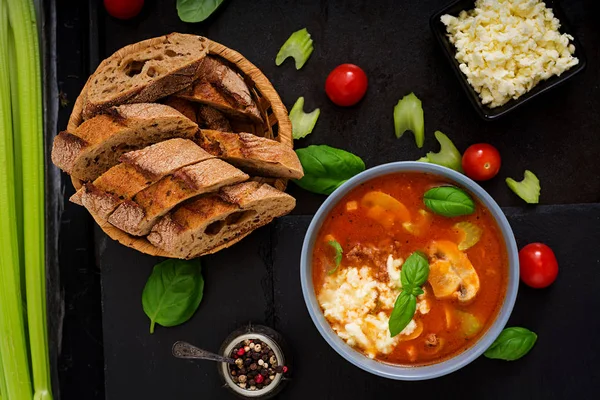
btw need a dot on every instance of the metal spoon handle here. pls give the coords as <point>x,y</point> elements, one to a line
<point>186,350</point>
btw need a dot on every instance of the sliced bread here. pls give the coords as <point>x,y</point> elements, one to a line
<point>224,89</point>
<point>146,71</point>
<point>138,170</point>
<point>205,116</point>
<point>186,107</point>
<point>217,220</point>
<point>254,154</point>
<point>96,145</point>
<point>138,215</point>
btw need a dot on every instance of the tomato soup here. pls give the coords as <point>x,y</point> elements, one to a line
<point>358,258</point>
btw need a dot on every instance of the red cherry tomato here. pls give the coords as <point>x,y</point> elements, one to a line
<point>481,162</point>
<point>346,84</point>
<point>123,9</point>
<point>538,265</point>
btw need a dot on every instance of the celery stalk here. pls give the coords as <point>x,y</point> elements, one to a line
<point>302,123</point>
<point>299,46</point>
<point>23,23</point>
<point>408,116</point>
<point>13,344</point>
<point>528,189</point>
<point>448,156</point>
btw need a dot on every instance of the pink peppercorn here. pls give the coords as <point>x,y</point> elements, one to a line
<point>241,352</point>
<point>259,379</point>
<point>285,369</point>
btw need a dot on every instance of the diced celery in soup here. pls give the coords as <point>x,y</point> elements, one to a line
<point>378,225</point>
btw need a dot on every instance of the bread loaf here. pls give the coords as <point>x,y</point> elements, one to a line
<point>253,154</point>
<point>208,223</point>
<point>138,215</point>
<point>138,170</point>
<point>146,71</point>
<point>96,145</point>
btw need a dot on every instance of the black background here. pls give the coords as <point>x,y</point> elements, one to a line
<point>556,136</point>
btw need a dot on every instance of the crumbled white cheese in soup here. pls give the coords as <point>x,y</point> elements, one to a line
<point>358,307</point>
<point>505,47</point>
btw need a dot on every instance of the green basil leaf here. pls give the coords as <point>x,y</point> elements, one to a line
<point>417,291</point>
<point>449,201</point>
<point>338,254</point>
<point>511,344</point>
<point>448,156</point>
<point>326,168</point>
<point>528,189</point>
<point>173,292</point>
<point>403,312</point>
<point>302,123</point>
<point>196,10</point>
<point>414,272</point>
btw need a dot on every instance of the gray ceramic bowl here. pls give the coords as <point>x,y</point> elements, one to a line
<point>409,373</point>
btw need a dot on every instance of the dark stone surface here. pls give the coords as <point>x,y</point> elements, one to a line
<point>556,137</point>
<point>139,365</point>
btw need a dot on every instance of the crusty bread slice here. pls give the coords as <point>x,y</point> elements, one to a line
<point>138,216</point>
<point>205,116</point>
<point>211,118</point>
<point>186,107</point>
<point>255,155</point>
<point>146,71</point>
<point>224,89</point>
<point>97,144</point>
<point>138,170</point>
<point>212,221</point>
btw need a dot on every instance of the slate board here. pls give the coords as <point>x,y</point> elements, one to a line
<point>258,281</point>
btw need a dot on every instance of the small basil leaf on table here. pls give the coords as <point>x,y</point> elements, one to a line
<point>414,272</point>
<point>326,168</point>
<point>403,312</point>
<point>302,123</point>
<point>196,10</point>
<point>338,254</point>
<point>449,201</point>
<point>173,292</point>
<point>512,344</point>
<point>448,156</point>
<point>528,189</point>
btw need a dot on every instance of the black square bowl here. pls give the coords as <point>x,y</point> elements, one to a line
<point>487,113</point>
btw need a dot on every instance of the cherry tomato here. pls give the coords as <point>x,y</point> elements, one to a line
<point>123,9</point>
<point>538,265</point>
<point>346,84</point>
<point>481,162</point>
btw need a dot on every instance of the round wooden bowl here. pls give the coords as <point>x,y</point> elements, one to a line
<point>277,126</point>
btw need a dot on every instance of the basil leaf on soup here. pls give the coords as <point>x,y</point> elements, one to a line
<point>173,292</point>
<point>338,254</point>
<point>414,272</point>
<point>512,344</point>
<point>196,10</point>
<point>449,201</point>
<point>326,168</point>
<point>403,312</point>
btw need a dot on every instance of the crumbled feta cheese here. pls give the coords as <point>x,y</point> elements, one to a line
<point>393,269</point>
<point>358,308</point>
<point>506,47</point>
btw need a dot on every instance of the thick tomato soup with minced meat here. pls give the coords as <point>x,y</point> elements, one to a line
<point>378,225</point>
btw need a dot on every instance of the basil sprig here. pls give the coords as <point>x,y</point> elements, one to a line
<point>326,168</point>
<point>196,10</point>
<point>413,275</point>
<point>512,344</point>
<point>449,201</point>
<point>338,255</point>
<point>173,292</point>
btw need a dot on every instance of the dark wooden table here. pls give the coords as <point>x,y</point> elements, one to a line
<point>557,136</point>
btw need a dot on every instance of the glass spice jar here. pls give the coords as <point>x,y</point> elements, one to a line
<point>262,371</point>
